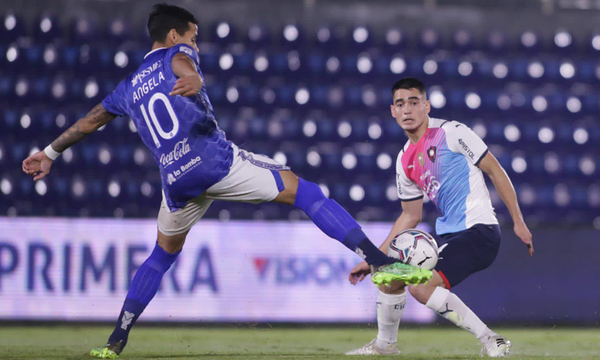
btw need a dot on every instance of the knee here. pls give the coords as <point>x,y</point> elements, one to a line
<point>290,184</point>
<point>171,244</point>
<point>421,293</point>
<point>307,194</point>
<point>396,287</point>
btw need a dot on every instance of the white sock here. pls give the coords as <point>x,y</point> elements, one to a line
<point>452,308</point>
<point>389,311</point>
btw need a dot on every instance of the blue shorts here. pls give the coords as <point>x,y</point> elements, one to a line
<point>466,252</point>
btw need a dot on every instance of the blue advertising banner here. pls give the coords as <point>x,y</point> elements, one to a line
<point>80,269</point>
<point>76,269</point>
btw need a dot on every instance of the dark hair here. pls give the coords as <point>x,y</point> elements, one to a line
<point>165,17</point>
<point>409,83</point>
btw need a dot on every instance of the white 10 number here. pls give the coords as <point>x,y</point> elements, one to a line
<point>163,134</point>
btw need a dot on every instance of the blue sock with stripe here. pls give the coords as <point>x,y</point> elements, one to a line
<point>334,221</point>
<point>143,288</point>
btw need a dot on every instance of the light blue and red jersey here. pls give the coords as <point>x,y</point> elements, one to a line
<point>443,166</point>
<point>182,132</point>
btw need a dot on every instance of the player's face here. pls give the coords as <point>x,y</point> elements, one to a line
<point>410,109</point>
<point>189,37</point>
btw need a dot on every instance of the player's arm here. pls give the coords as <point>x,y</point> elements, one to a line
<point>189,81</point>
<point>409,219</point>
<point>506,191</point>
<point>38,165</point>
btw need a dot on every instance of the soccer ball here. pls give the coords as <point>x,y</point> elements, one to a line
<point>415,247</point>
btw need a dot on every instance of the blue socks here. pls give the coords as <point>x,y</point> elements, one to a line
<point>334,221</point>
<point>143,288</point>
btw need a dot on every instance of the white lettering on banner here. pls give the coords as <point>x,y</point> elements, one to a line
<point>180,149</point>
<point>80,269</point>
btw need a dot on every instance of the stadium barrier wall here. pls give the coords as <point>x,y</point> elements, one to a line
<point>251,271</point>
<point>79,270</point>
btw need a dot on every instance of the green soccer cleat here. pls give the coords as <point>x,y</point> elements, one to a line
<point>398,271</point>
<point>108,351</point>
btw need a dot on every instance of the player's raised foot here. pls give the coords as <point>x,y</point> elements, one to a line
<point>108,351</point>
<point>372,349</point>
<point>398,271</point>
<point>494,346</point>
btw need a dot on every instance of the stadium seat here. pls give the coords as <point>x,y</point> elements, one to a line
<point>47,29</point>
<point>117,31</point>
<point>82,30</point>
<point>496,42</point>
<point>12,28</point>
<point>396,39</point>
<point>222,33</point>
<point>462,41</point>
<point>360,38</point>
<point>309,94</point>
<point>258,36</point>
<point>292,36</point>
<point>326,38</point>
<point>429,39</point>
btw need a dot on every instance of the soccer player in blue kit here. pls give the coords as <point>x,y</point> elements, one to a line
<point>167,100</point>
<point>444,160</point>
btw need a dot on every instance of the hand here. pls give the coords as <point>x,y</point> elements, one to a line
<point>359,273</point>
<point>524,234</point>
<point>37,165</point>
<point>187,86</point>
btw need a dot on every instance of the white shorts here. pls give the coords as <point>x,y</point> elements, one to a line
<point>251,179</point>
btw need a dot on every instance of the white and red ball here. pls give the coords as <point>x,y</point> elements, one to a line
<point>415,247</point>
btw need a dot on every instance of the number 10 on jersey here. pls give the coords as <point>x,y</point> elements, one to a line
<point>163,134</point>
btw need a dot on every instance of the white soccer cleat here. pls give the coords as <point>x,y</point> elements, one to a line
<point>372,349</point>
<point>495,346</point>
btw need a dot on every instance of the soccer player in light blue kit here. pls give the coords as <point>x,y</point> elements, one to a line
<point>443,160</point>
<point>167,100</point>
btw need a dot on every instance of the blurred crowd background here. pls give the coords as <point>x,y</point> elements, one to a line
<point>308,83</point>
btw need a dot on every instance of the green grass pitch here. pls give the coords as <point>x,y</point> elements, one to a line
<point>74,342</point>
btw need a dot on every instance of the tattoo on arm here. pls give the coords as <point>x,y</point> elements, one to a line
<point>97,117</point>
<point>68,138</point>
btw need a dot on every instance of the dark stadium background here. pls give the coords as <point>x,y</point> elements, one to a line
<point>308,83</point>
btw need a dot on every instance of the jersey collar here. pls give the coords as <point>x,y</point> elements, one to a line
<point>160,48</point>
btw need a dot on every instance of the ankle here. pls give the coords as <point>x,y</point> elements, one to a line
<point>486,334</point>
<point>386,345</point>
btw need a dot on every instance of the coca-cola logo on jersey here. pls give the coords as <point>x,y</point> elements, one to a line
<point>179,150</point>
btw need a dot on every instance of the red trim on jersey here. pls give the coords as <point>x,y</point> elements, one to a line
<point>445,280</point>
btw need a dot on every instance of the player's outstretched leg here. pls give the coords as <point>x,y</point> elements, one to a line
<point>389,312</point>
<point>449,306</point>
<point>334,221</point>
<point>143,288</point>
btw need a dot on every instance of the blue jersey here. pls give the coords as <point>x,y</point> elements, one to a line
<point>182,132</point>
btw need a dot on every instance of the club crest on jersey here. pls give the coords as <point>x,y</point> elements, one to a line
<point>431,153</point>
<point>421,159</point>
